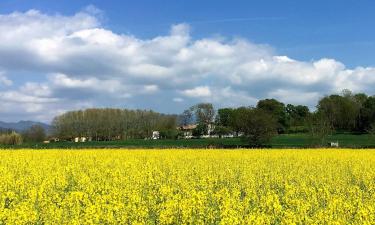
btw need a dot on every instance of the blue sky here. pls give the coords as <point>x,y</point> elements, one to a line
<point>295,51</point>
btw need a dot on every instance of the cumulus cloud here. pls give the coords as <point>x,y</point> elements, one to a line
<point>198,92</point>
<point>74,61</point>
<point>295,96</point>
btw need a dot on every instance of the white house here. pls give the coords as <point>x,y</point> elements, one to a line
<point>80,139</point>
<point>334,144</point>
<point>187,130</point>
<point>155,135</point>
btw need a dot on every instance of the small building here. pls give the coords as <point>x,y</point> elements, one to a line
<point>54,139</point>
<point>155,135</point>
<point>334,144</point>
<point>211,128</point>
<point>80,139</point>
<point>187,130</point>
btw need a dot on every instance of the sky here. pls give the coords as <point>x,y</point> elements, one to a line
<point>57,56</point>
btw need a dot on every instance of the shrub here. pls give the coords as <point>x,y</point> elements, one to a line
<point>11,139</point>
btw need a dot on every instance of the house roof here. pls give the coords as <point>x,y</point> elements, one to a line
<point>188,127</point>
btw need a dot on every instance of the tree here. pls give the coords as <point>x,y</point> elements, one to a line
<point>35,133</point>
<point>297,114</point>
<point>236,121</point>
<point>320,128</point>
<point>204,114</point>
<point>186,117</point>
<point>367,114</point>
<point>221,130</point>
<point>297,117</point>
<point>258,126</point>
<point>277,110</point>
<point>12,138</point>
<point>200,130</point>
<point>360,98</point>
<point>223,117</point>
<point>342,111</point>
<point>112,124</point>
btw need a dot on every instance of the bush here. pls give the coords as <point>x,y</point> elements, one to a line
<point>11,139</point>
<point>221,131</point>
<point>200,130</point>
<point>168,134</point>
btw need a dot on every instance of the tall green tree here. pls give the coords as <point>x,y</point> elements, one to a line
<point>236,119</point>
<point>258,126</point>
<point>224,116</point>
<point>277,110</point>
<point>342,111</point>
<point>297,117</point>
<point>367,114</point>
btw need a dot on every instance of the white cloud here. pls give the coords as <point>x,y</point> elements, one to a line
<point>74,61</point>
<point>92,84</point>
<point>19,97</point>
<point>295,96</point>
<point>198,92</point>
<point>227,97</point>
<point>150,88</point>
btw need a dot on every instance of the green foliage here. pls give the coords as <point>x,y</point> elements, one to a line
<point>367,114</point>
<point>169,134</point>
<point>221,130</point>
<point>297,118</point>
<point>236,122</point>
<point>346,112</point>
<point>279,141</point>
<point>258,126</point>
<point>224,117</point>
<point>341,111</point>
<point>201,129</point>
<point>277,110</point>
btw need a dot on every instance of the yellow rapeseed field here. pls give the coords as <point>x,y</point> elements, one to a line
<point>187,186</point>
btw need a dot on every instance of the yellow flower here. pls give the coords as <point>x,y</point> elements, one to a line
<point>187,186</point>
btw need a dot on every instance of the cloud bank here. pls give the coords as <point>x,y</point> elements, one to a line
<point>53,63</point>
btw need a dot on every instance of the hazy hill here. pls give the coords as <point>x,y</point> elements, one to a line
<point>22,125</point>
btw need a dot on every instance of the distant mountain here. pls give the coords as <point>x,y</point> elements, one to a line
<point>22,125</point>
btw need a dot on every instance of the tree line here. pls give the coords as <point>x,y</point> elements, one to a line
<point>113,124</point>
<point>344,112</point>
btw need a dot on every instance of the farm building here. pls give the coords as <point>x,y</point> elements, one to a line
<point>187,130</point>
